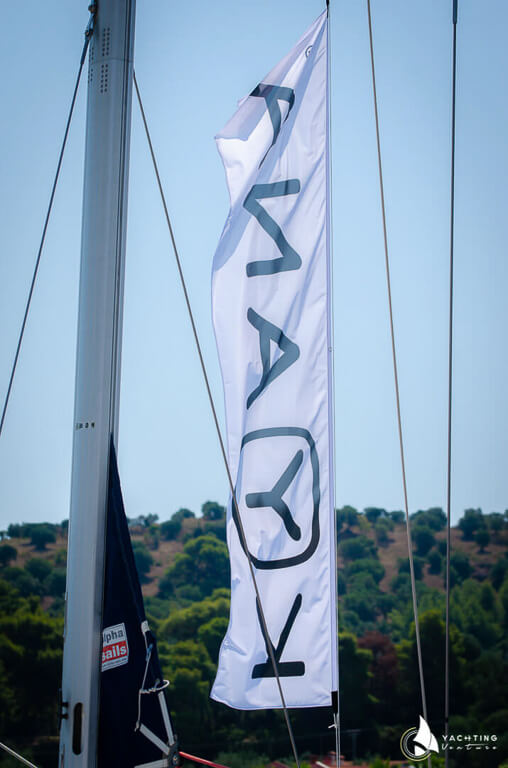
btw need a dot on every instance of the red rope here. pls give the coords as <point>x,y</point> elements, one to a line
<point>200,760</point>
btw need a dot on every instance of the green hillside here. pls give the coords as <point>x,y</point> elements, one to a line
<point>184,567</point>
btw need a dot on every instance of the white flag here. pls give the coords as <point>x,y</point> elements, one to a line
<point>272,324</point>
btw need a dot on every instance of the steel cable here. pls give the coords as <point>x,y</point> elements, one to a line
<point>396,380</point>
<point>88,35</point>
<point>450,386</point>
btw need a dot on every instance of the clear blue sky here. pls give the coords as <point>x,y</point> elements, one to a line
<point>193,62</point>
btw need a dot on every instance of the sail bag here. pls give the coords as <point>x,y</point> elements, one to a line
<point>271,314</point>
<point>135,729</point>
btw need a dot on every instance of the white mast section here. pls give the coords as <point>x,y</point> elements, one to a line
<point>97,369</point>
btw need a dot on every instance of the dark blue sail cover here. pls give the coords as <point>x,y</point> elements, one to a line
<point>134,725</point>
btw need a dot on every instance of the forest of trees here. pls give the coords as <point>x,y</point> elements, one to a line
<point>184,566</point>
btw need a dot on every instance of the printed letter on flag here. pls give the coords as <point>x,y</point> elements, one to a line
<point>272,324</point>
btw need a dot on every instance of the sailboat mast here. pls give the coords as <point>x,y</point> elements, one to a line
<point>96,406</point>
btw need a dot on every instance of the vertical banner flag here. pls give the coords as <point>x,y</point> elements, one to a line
<point>271,317</point>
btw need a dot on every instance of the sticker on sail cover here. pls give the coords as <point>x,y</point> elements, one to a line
<point>115,648</point>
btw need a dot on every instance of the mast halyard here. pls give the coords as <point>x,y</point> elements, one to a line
<point>97,368</point>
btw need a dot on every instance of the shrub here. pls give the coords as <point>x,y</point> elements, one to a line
<point>38,568</point>
<point>366,565</point>
<point>418,563</point>
<point>7,554</point>
<point>433,518</point>
<point>55,583</point>
<point>482,538</point>
<point>459,563</point>
<point>373,513</point>
<point>143,560</point>
<point>182,514</point>
<point>359,547</point>
<point>42,534</point>
<point>472,520</point>
<point>213,511</point>
<point>383,526</point>
<point>346,516</point>
<point>435,562</point>
<point>423,539</point>
<point>204,563</point>
<point>170,529</point>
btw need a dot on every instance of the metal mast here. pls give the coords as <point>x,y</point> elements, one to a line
<point>97,369</point>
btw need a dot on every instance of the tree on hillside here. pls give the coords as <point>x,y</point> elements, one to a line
<point>432,634</point>
<point>38,568</point>
<point>384,667</point>
<point>41,535</point>
<point>499,571</point>
<point>184,624</point>
<point>367,565</point>
<point>460,568</point>
<point>434,518</point>
<point>212,634</point>
<point>346,516</point>
<point>373,513</point>
<point>357,703</point>
<point>170,529</point>
<point>143,560</point>
<point>423,539</point>
<point>495,522</point>
<point>435,561</point>
<point>213,511</point>
<point>31,656</point>
<point>204,563</point>
<point>418,563</point>
<point>359,547</point>
<point>398,516</point>
<point>472,520</point>
<point>182,514</point>
<point>482,538</point>
<point>382,528</point>
<point>8,553</point>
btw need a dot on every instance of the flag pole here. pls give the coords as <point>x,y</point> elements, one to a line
<point>96,406</point>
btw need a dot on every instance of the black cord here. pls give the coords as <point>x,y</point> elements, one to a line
<point>88,35</point>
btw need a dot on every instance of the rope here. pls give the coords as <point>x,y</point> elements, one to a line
<point>200,760</point>
<point>88,35</point>
<point>450,383</point>
<point>396,379</point>
<point>18,757</point>
<point>219,434</point>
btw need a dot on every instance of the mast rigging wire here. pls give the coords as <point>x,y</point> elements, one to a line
<point>18,757</point>
<point>88,36</point>
<point>218,430</point>
<point>396,381</point>
<point>450,386</point>
<point>335,694</point>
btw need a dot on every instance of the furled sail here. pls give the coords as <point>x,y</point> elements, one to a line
<point>271,313</point>
<point>135,729</point>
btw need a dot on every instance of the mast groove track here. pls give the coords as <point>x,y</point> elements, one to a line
<point>241,529</point>
<point>396,381</point>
